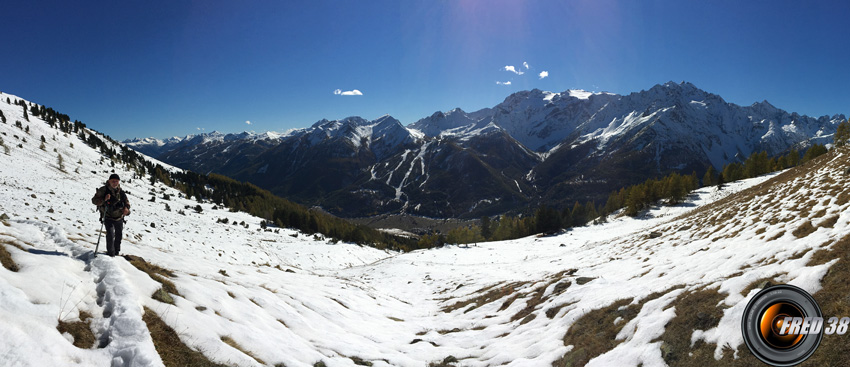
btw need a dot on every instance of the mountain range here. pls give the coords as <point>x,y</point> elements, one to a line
<point>212,287</point>
<point>536,147</point>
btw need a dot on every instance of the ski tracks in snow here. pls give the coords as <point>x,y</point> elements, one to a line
<point>121,332</point>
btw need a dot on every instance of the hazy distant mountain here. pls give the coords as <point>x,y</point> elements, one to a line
<point>534,147</point>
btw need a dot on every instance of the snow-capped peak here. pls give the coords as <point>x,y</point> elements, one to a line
<point>580,94</point>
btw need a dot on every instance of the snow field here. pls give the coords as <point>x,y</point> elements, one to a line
<point>287,298</point>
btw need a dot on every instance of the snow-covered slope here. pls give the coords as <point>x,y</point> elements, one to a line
<point>250,298</point>
<point>382,136</point>
<point>456,124</point>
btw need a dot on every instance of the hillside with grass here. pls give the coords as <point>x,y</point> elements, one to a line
<point>212,287</point>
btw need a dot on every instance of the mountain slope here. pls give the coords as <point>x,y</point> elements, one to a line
<point>606,294</point>
<point>534,148</point>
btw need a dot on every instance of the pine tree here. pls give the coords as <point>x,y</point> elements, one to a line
<point>677,190</point>
<point>577,215</point>
<point>547,220</point>
<point>613,203</point>
<point>566,218</point>
<point>710,177</point>
<point>486,230</point>
<point>636,199</point>
<point>842,134</point>
<point>590,212</point>
<point>733,172</point>
<point>692,182</point>
<point>813,152</point>
<point>793,158</point>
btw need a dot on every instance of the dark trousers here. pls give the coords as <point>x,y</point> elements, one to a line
<point>114,230</point>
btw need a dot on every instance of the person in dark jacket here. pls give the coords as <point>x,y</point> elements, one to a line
<point>113,205</point>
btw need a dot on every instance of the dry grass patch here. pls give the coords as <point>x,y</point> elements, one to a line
<point>842,198</point>
<point>595,333</point>
<point>757,284</point>
<point>560,286</point>
<point>6,259</point>
<point>553,311</point>
<point>832,190</point>
<point>778,236</point>
<point>829,222</point>
<point>833,299</point>
<point>804,229</point>
<point>160,275</point>
<point>526,313</point>
<point>450,361</point>
<point>823,256</point>
<point>698,310</point>
<point>806,208</point>
<point>799,255</point>
<point>167,343</point>
<point>487,294</point>
<point>81,331</point>
<point>229,341</point>
<point>360,361</point>
<point>508,302</point>
<point>735,234</point>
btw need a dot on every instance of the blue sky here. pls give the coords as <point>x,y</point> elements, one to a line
<point>165,68</point>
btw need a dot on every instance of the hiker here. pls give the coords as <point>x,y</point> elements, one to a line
<point>112,203</point>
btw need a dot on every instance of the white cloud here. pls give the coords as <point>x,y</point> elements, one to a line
<point>525,64</point>
<point>543,74</point>
<point>512,69</point>
<point>504,83</point>
<point>200,128</point>
<point>354,92</point>
<point>248,122</point>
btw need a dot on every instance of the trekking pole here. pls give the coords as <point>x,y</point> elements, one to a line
<point>99,232</point>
